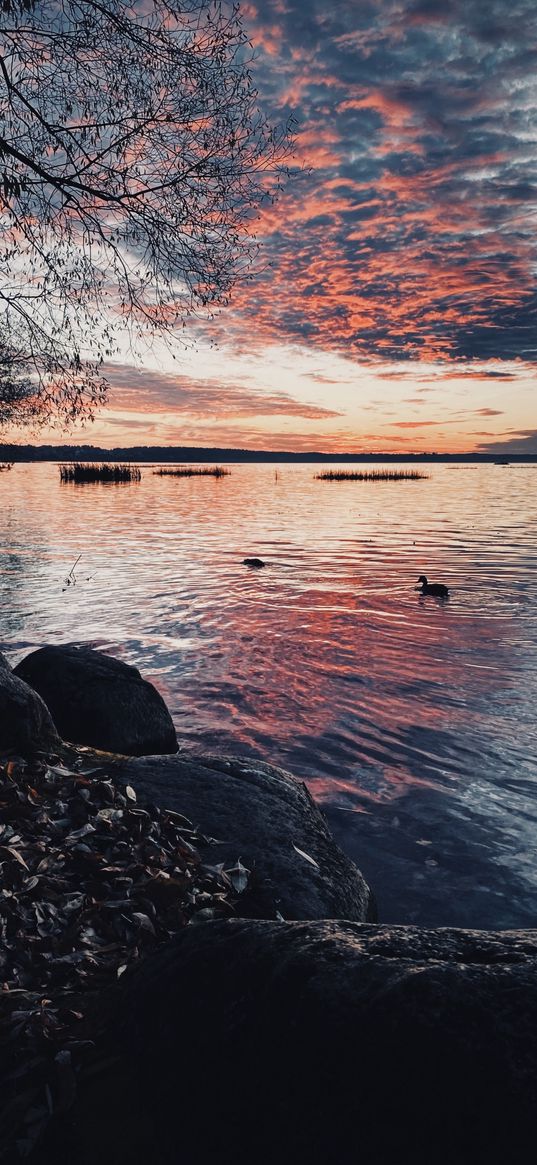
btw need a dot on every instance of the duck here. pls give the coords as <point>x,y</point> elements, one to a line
<point>256,563</point>
<point>428,588</point>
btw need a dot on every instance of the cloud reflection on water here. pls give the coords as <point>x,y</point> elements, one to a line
<point>327,662</point>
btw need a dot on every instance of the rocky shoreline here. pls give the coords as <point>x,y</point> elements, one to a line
<point>192,969</point>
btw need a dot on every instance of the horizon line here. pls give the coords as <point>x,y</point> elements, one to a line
<point>76,450</point>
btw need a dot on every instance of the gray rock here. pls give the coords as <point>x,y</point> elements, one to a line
<point>4,665</point>
<point>318,1042</point>
<point>100,701</point>
<point>265,817</point>
<point>26,725</point>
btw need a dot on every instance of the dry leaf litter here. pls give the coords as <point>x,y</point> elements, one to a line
<point>89,883</point>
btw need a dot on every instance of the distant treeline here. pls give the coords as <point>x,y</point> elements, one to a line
<point>178,453</point>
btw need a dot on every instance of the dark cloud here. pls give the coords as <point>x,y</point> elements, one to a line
<point>526,442</point>
<point>496,374</point>
<point>154,392</point>
<point>412,236</point>
<point>320,378</point>
<point>415,424</point>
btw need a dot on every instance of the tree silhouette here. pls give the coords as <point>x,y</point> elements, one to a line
<point>133,158</point>
<point>17,392</point>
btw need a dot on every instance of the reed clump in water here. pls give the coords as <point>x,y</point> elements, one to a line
<point>194,471</point>
<point>80,473</point>
<point>371,475</point>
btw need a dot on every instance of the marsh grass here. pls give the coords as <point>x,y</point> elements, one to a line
<point>80,473</point>
<point>194,471</point>
<point>371,475</point>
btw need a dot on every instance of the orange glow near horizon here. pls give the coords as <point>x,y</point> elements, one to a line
<point>304,402</point>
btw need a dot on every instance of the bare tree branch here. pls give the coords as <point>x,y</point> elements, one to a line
<point>133,157</point>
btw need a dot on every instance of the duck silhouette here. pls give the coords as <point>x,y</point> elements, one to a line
<point>428,588</point>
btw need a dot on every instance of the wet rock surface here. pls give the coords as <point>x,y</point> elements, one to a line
<point>291,1043</point>
<point>266,817</point>
<point>99,701</point>
<point>25,722</point>
<point>179,985</point>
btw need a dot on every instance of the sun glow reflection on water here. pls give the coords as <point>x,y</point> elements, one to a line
<point>411,718</point>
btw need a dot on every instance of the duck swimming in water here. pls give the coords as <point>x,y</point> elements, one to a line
<point>428,588</point>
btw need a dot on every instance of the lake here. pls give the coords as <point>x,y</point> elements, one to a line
<point>412,719</point>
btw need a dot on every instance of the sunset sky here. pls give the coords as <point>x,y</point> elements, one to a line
<point>397,307</point>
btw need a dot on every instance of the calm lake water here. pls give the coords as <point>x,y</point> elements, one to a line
<point>412,719</point>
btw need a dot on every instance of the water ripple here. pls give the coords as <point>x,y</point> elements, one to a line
<point>411,718</point>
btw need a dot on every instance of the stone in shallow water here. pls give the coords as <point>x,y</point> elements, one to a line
<point>266,817</point>
<point>292,1043</point>
<point>100,701</point>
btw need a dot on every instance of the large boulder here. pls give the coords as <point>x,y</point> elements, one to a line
<point>100,701</point>
<point>265,817</point>
<point>317,1042</point>
<point>26,725</point>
